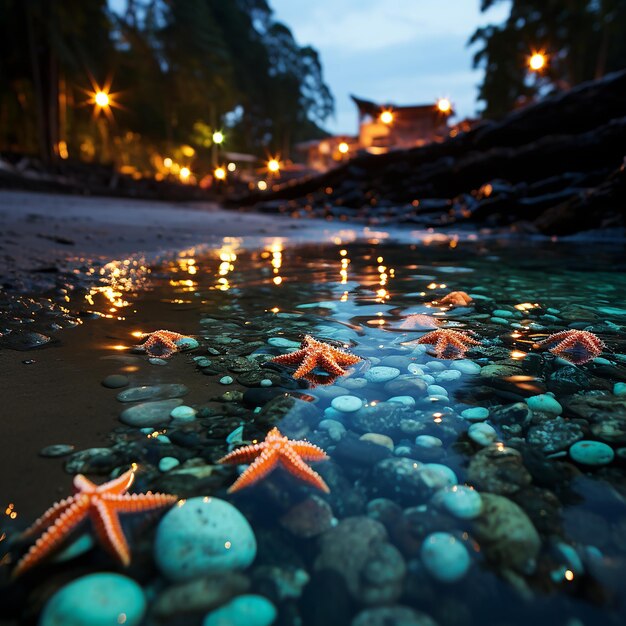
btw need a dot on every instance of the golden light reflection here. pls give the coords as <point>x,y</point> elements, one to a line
<point>10,511</point>
<point>517,354</point>
<point>343,271</point>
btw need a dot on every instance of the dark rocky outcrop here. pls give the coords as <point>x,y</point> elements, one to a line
<point>555,167</point>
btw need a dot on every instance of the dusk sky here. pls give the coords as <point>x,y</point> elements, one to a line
<point>397,51</point>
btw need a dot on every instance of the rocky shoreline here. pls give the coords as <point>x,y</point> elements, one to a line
<point>555,167</point>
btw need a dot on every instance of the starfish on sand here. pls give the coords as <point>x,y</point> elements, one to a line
<point>277,449</point>
<point>456,298</point>
<point>101,504</point>
<point>161,343</point>
<point>314,354</point>
<point>449,344</point>
<point>575,346</point>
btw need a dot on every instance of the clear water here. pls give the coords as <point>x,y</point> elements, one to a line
<point>237,302</point>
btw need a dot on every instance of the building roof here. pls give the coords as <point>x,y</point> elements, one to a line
<point>367,107</point>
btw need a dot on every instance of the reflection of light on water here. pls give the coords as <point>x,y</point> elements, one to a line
<point>275,253</point>
<point>345,261</point>
<point>117,279</point>
<point>227,256</point>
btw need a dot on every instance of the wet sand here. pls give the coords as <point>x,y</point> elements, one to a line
<point>42,404</point>
<point>45,231</point>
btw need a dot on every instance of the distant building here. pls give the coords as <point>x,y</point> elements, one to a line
<point>382,127</point>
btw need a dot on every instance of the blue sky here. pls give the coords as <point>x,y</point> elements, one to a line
<point>399,51</point>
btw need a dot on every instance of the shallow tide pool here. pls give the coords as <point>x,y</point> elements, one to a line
<point>487,487</point>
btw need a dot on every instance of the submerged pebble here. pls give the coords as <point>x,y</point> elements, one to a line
<point>544,402</point>
<point>381,374</point>
<point>100,599</point>
<point>445,557</point>
<point>482,434</point>
<point>56,450</point>
<point>152,392</point>
<point>346,404</point>
<point>246,610</point>
<point>475,413</point>
<point>589,452</point>
<point>462,502</point>
<point>202,536</point>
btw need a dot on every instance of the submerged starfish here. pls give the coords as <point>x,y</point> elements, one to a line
<point>419,321</point>
<point>102,504</point>
<point>314,354</point>
<point>575,346</point>
<point>456,298</point>
<point>161,343</point>
<point>449,344</point>
<point>277,449</point>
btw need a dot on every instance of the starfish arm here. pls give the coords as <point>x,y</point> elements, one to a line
<point>343,358</point>
<point>298,468</point>
<point>64,524</point>
<point>291,358</point>
<point>330,365</point>
<point>555,338</point>
<point>246,454</point>
<point>308,364</point>
<point>308,451</point>
<point>49,517</point>
<point>263,465</point>
<point>430,338</point>
<point>83,485</point>
<point>106,524</point>
<point>139,502</point>
<point>118,485</point>
<point>318,379</point>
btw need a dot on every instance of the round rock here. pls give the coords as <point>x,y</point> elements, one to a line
<point>587,452</point>
<point>96,600</point>
<point>482,434</point>
<point>545,403</point>
<point>445,557</point>
<point>381,374</point>
<point>183,413</point>
<point>202,536</point>
<point>346,404</point>
<point>115,381</point>
<point>462,502</point>
<point>150,413</point>
<point>475,413</point>
<point>247,610</point>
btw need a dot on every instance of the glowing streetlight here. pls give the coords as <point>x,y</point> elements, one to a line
<point>218,137</point>
<point>343,147</point>
<point>273,166</point>
<point>185,173</point>
<point>386,117</point>
<point>101,98</point>
<point>537,61</point>
<point>219,173</point>
<point>444,105</point>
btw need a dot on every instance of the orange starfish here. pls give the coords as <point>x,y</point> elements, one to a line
<point>101,504</point>
<point>449,344</point>
<point>575,346</point>
<point>456,298</point>
<point>277,449</point>
<point>419,321</point>
<point>161,343</point>
<point>314,354</point>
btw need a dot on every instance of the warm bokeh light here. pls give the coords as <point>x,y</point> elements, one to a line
<point>343,147</point>
<point>218,136</point>
<point>444,105</point>
<point>167,162</point>
<point>185,173</point>
<point>101,98</point>
<point>537,61</point>
<point>273,166</point>
<point>386,117</point>
<point>220,173</point>
<point>262,185</point>
<point>231,167</point>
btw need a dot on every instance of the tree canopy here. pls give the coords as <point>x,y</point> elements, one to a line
<point>177,70</point>
<point>582,40</point>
